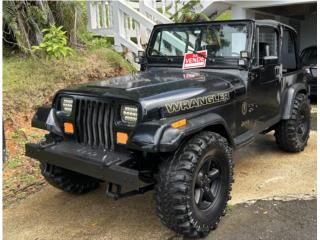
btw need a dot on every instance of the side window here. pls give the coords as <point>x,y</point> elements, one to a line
<point>268,43</point>
<point>288,52</point>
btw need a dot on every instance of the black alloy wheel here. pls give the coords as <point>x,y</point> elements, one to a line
<point>207,184</point>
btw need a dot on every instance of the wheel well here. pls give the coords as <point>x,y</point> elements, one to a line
<point>220,129</point>
<point>302,91</point>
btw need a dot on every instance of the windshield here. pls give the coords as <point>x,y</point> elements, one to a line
<point>220,40</point>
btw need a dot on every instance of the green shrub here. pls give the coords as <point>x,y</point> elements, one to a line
<point>225,15</point>
<point>95,42</point>
<point>54,43</point>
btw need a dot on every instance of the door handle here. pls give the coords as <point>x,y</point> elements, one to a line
<point>276,70</point>
<point>278,74</point>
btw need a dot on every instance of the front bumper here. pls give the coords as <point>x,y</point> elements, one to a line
<point>104,165</point>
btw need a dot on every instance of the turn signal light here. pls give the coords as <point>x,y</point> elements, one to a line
<point>122,137</point>
<point>179,124</point>
<point>68,128</point>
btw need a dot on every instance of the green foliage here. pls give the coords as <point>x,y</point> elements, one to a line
<point>226,15</point>
<point>94,42</point>
<point>54,43</point>
<point>36,14</point>
<point>229,208</point>
<point>188,13</point>
<point>23,21</point>
<point>71,15</point>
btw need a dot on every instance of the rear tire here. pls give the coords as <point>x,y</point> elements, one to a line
<point>194,185</point>
<point>68,181</point>
<point>292,134</point>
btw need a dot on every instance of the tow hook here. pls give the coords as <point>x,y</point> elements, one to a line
<point>44,144</point>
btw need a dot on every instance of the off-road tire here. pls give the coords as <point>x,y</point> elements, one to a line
<point>174,191</point>
<point>68,181</point>
<point>287,131</point>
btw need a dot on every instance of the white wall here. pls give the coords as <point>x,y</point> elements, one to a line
<point>238,12</point>
<point>308,32</point>
<point>307,29</point>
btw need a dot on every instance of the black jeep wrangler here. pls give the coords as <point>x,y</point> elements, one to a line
<point>205,89</point>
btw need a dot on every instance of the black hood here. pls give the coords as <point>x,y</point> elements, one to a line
<point>158,86</point>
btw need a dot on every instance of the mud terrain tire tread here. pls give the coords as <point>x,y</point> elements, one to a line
<point>68,181</point>
<point>172,191</point>
<point>285,132</point>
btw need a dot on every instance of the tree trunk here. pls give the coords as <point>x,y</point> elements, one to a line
<point>20,22</point>
<point>37,32</point>
<point>73,34</point>
<point>46,9</point>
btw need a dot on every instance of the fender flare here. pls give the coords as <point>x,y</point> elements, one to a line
<point>160,137</point>
<point>289,97</point>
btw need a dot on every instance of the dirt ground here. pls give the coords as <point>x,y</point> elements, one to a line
<point>269,220</point>
<point>262,171</point>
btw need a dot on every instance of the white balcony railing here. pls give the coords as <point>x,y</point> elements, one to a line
<point>130,23</point>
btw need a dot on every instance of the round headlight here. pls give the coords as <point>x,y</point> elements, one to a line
<point>129,114</point>
<point>66,105</point>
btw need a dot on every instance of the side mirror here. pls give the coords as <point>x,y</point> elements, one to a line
<point>243,62</point>
<point>140,58</point>
<point>244,59</point>
<point>244,55</point>
<point>312,71</point>
<point>141,54</point>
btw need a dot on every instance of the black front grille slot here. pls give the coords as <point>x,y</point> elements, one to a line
<point>94,123</point>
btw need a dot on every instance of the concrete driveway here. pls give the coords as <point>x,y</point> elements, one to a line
<point>262,171</point>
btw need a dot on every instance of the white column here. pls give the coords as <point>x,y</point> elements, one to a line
<point>163,7</point>
<point>103,14</point>
<point>238,12</point>
<point>92,20</point>
<point>143,30</point>
<point>116,25</point>
<point>96,5</point>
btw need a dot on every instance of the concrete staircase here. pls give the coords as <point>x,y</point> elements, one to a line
<point>130,22</point>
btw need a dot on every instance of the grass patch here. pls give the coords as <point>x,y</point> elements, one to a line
<point>29,83</point>
<point>229,208</point>
<point>14,163</point>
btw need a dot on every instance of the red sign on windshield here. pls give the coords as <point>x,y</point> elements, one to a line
<point>192,60</point>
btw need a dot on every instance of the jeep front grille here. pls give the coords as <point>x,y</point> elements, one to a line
<point>94,123</point>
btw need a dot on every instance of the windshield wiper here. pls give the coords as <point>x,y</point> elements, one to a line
<point>203,56</point>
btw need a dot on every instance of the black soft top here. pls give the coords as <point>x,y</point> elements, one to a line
<point>264,22</point>
<point>273,23</point>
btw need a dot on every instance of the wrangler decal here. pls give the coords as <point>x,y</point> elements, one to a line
<point>197,102</point>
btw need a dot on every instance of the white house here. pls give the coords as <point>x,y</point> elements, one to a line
<point>300,14</point>
<point>130,22</point>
